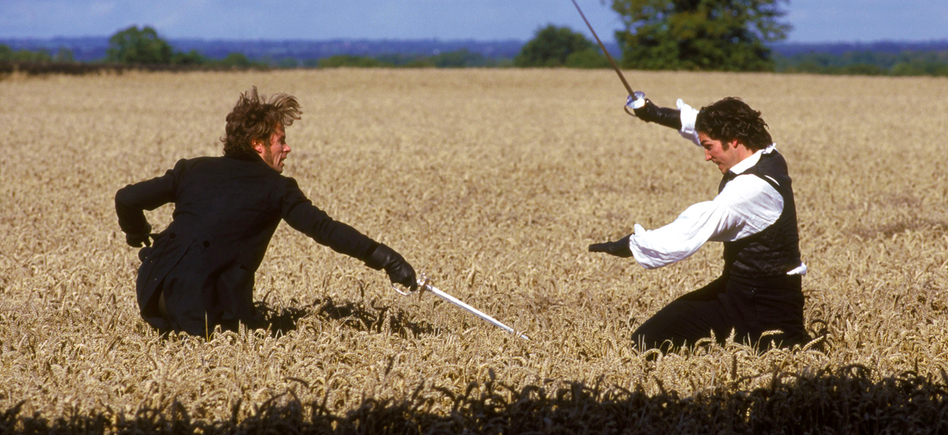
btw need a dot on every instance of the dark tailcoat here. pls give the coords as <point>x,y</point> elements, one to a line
<point>225,212</point>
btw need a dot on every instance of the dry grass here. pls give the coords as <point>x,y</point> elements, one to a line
<point>493,182</point>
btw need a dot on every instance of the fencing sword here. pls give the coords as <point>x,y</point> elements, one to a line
<point>424,284</point>
<point>634,95</point>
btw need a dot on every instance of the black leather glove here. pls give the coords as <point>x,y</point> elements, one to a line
<point>619,248</point>
<point>138,239</point>
<point>649,112</point>
<point>398,270</point>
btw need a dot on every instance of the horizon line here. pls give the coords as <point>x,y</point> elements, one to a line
<point>366,39</point>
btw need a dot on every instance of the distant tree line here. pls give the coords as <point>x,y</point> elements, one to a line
<point>9,55</point>
<point>714,36</point>
<point>462,58</point>
<point>867,62</point>
<point>131,48</point>
<point>145,47</point>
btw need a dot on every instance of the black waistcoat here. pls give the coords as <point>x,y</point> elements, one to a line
<point>775,250</point>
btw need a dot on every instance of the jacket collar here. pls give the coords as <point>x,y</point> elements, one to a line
<point>247,157</point>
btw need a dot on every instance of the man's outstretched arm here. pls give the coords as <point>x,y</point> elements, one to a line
<point>302,215</point>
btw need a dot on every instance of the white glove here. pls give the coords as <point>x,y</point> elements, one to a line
<point>636,103</point>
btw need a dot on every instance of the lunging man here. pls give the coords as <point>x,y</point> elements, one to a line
<point>200,271</point>
<point>753,215</point>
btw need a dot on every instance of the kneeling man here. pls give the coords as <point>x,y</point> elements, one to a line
<point>753,215</point>
<point>200,272</point>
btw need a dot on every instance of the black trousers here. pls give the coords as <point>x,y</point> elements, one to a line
<point>748,306</point>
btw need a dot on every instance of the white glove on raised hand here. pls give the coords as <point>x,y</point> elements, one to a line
<point>647,111</point>
<point>637,102</point>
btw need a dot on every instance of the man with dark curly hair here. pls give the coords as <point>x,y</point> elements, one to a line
<point>200,272</point>
<point>753,215</point>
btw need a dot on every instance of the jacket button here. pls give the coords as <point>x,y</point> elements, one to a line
<point>206,243</point>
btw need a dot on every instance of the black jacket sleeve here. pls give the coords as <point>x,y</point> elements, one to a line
<point>660,115</point>
<point>300,213</point>
<point>132,200</point>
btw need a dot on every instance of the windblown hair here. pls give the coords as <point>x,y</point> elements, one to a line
<point>256,118</point>
<point>730,119</point>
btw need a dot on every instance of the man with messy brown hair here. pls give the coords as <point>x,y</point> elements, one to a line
<point>758,297</point>
<point>253,118</point>
<point>200,272</point>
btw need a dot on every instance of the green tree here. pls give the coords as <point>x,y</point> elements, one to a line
<point>588,59</point>
<point>7,54</point>
<point>551,46</point>
<point>190,58</point>
<point>719,35</point>
<point>138,46</point>
<point>237,61</point>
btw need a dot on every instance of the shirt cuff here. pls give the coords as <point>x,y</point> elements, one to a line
<point>689,116</point>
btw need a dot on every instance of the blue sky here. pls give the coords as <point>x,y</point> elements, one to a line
<point>813,20</point>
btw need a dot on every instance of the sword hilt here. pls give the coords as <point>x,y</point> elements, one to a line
<point>422,281</point>
<point>636,96</point>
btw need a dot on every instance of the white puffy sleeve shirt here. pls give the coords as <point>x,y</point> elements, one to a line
<point>746,206</point>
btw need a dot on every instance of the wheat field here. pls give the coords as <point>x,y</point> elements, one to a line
<point>493,182</point>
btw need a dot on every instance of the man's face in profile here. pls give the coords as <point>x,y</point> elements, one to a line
<point>274,152</point>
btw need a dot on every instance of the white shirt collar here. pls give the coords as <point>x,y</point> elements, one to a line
<point>747,163</point>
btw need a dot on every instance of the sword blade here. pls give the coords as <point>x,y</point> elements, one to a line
<point>471,309</point>
<point>606,52</point>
